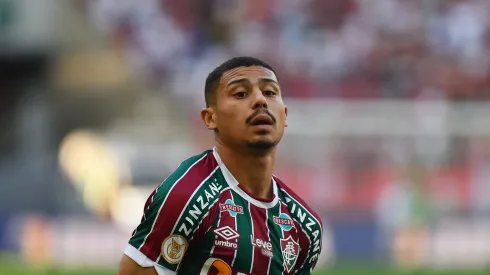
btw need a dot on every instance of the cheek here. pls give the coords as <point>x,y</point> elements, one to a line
<point>280,114</point>
<point>228,120</point>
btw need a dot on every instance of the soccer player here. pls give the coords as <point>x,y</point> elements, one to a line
<point>223,211</point>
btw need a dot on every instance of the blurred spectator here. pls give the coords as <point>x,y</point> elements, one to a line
<point>349,49</point>
<point>388,135</point>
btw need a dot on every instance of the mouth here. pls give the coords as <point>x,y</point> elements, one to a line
<point>262,120</point>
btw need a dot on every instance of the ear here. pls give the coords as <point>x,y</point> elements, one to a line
<point>286,116</point>
<point>209,118</point>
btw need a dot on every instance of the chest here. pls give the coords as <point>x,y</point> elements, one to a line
<point>247,239</point>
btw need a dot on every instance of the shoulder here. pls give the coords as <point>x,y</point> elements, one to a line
<point>298,207</point>
<point>190,189</point>
<point>175,209</point>
<point>189,176</point>
<point>309,223</point>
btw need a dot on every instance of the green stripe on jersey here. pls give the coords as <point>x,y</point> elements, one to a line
<point>198,205</point>
<point>275,235</point>
<point>194,261</point>
<point>158,199</point>
<point>309,224</point>
<point>244,254</point>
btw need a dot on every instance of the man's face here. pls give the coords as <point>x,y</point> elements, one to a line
<point>249,109</point>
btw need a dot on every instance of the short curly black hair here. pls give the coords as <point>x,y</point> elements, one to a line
<point>214,77</point>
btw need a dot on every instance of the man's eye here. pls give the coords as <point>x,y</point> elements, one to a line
<point>269,93</point>
<point>241,94</point>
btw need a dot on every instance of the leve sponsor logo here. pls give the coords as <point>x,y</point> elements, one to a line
<point>265,246</point>
<point>229,235</point>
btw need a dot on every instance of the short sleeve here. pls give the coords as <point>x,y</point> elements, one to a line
<point>153,242</point>
<point>173,213</point>
<point>308,267</point>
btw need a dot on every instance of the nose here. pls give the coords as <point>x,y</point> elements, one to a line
<point>259,99</point>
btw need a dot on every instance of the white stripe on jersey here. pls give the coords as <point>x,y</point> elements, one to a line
<point>268,235</point>
<point>236,229</point>
<point>253,247</point>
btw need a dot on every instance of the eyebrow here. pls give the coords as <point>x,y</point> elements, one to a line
<point>242,80</point>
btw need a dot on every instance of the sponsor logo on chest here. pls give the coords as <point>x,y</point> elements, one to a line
<point>226,237</point>
<point>284,221</point>
<point>265,246</point>
<point>231,207</point>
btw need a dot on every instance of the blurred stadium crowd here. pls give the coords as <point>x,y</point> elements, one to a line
<point>389,136</point>
<point>349,49</point>
<point>434,51</point>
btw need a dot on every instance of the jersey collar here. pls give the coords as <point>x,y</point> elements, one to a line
<point>233,183</point>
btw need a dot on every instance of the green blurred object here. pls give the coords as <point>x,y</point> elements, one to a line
<point>10,265</point>
<point>18,270</point>
<point>6,14</point>
<point>327,272</point>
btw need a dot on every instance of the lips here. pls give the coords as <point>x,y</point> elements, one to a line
<point>262,120</point>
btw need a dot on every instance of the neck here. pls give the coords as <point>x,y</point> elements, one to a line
<point>252,171</point>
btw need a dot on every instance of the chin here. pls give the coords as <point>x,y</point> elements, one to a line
<point>262,144</point>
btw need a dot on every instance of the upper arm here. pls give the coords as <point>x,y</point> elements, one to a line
<point>314,250</point>
<point>311,228</point>
<point>170,220</point>
<point>154,242</point>
<point>129,267</point>
<point>307,268</point>
<point>310,262</point>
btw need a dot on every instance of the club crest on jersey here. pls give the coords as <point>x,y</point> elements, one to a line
<point>231,207</point>
<point>173,248</point>
<point>284,221</point>
<point>290,251</point>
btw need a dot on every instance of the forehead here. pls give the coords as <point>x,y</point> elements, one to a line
<point>252,73</point>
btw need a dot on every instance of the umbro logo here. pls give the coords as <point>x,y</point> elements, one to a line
<point>226,233</point>
<point>229,235</point>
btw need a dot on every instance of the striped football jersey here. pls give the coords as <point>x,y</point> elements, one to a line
<point>200,221</point>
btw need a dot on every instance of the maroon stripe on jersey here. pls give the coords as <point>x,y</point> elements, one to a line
<point>207,221</point>
<point>221,245</point>
<point>175,202</point>
<point>304,244</point>
<point>147,205</point>
<point>260,240</point>
<point>286,234</point>
<point>298,234</point>
<point>203,227</point>
<point>283,186</point>
<point>149,201</point>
